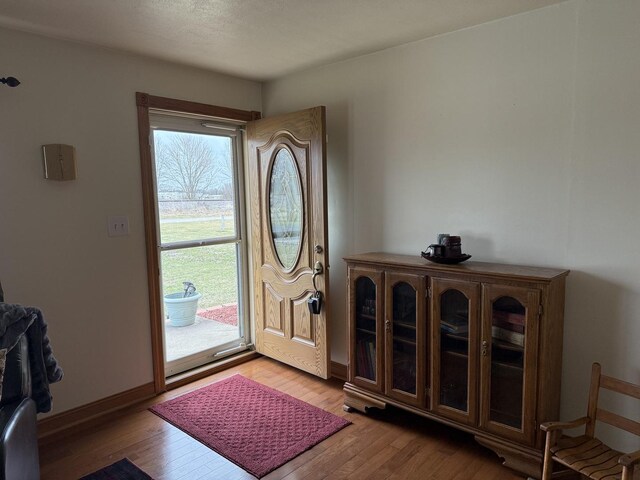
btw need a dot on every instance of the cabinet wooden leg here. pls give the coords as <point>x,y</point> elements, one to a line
<point>517,460</point>
<point>359,401</point>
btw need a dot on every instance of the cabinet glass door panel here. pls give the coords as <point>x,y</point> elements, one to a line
<point>404,338</point>
<point>366,349</point>
<point>454,337</point>
<point>509,350</point>
<point>405,318</point>
<point>366,328</point>
<point>454,349</point>
<point>508,332</point>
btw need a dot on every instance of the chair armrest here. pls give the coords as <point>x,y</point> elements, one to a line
<point>629,459</point>
<point>551,426</point>
<point>19,442</point>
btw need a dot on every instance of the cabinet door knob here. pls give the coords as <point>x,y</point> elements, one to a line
<point>485,344</point>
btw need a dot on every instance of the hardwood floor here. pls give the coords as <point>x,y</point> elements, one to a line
<point>388,444</point>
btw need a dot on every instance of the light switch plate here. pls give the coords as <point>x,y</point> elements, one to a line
<point>59,161</point>
<point>118,225</point>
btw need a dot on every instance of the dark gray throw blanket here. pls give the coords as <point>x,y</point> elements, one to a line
<point>15,321</point>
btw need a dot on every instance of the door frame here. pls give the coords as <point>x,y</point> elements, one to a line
<point>144,103</point>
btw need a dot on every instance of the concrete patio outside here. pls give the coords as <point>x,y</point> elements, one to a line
<point>203,334</point>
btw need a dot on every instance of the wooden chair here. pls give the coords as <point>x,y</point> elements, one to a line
<point>586,454</point>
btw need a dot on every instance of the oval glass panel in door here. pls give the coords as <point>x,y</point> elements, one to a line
<point>285,208</point>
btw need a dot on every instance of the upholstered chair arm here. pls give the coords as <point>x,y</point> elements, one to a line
<point>629,459</point>
<point>551,426</point>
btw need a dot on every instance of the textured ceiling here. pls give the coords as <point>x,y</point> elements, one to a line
<point>254,39</point>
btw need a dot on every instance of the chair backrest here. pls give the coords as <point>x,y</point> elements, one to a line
<point>16,382</point>
<point>594,413</point>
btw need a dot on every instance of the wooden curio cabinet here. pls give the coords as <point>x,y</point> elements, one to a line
<point>477,346</point>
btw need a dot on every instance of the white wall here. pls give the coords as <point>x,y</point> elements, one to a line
<point>521,135</point>
<point>54,249</point>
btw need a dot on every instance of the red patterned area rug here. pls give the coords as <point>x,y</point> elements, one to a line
<point>256,427</point>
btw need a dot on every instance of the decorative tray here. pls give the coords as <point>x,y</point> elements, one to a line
<point>446,260</point>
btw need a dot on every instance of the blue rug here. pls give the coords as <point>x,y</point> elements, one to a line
<point>121,470</point>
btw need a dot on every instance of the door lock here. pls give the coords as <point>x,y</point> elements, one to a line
<point>315,301</point>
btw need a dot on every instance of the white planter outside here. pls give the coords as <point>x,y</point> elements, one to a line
<point>181,310</point>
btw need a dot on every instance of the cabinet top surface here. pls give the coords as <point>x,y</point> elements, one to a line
<point>468,267</point>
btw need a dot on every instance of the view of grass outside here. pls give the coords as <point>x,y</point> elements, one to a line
<point>212,269</point>
<point>195,186</point>
<point>196,225</point>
